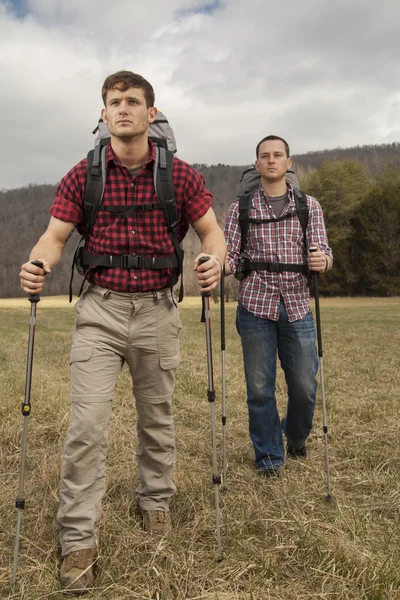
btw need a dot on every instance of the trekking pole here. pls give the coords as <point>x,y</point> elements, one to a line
<point>222,294</point>
<point>26,410</point>
<point>321,370</point>
<point>216,479</point>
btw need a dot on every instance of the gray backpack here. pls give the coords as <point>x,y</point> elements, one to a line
<point>250,180</point>
<point>160,129</point>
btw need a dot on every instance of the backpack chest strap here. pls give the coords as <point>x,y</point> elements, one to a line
<point>274,220</point>
<point>125,211</point>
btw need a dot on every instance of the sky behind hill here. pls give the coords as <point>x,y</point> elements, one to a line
<point>322,74</point>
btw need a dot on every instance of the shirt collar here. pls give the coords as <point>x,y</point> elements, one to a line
<point>111,158</point>
<point>290,190</point>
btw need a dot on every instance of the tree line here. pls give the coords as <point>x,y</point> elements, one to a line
<point>360,198</point>
<point>362,215</point>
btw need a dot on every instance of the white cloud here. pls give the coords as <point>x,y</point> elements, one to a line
<point>321,74</point>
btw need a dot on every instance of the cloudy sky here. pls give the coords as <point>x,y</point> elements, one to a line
<point>321,73</point>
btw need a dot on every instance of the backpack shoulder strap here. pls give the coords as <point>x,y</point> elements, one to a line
<point>162,174</point>
<point>302,212</point>
<point>163,184</point>
<point>244,216</point>
<point>160,142</point>
<point>95,181</point>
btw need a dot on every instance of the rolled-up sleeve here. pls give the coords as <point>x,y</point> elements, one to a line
<point>197,199</point>
<point>68,201</point>
<point>316,230</point>
<point>233,236</point>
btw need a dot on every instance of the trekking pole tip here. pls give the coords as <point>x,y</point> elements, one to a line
<point>329,498</point>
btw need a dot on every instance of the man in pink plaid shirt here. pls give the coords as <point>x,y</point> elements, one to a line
<point>273,315</point>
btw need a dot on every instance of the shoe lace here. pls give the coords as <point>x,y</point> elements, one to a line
<point>80,559</point>
<point>159,516</point>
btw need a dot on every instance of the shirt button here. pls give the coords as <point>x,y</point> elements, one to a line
<point>135,277</point>
<point>132,184</point>
<point>133,232</point>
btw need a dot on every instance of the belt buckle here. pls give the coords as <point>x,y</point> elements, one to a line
<point>275,267</point>
<point>125,260</point>
<point>136,260</point>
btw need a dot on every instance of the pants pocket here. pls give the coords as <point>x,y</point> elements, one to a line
<point>89,309</point>
<point>168,330</point>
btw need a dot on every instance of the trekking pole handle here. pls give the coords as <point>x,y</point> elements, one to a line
<point>314,249</point>
<point>35,298</point>
<point>202,260</point>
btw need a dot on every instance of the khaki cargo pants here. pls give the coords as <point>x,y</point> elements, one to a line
<point>111,328</point>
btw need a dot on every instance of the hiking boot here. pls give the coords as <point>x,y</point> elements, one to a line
<point>76,573</point>
<point>156,521</point>
<point>293,453</point>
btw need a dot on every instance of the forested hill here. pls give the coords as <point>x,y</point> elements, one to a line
<point>358,188</point>
<point>374,157</point>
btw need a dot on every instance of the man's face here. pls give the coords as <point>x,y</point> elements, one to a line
<point>126,113</point>
<point>272,162</point>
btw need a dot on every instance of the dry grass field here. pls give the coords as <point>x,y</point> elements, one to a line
<point>281,539</point>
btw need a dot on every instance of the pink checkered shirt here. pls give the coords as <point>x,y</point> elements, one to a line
<point>282,241</point>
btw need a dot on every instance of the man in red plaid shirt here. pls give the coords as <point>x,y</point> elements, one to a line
<point>273,314</point>
<point>125,315</point>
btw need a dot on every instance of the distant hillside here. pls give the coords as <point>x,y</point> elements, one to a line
<point>374,157</point>
<point>24,214</point>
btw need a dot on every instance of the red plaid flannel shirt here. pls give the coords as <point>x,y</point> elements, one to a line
<point>283,242</point>
<point>143,233</point>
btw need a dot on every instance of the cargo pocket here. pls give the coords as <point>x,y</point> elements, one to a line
<point>81,373</point>
<point>168,330</point>
<point>80,354</point>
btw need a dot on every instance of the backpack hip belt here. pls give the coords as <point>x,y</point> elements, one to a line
<point>126,261</point>
<point>273,267</point>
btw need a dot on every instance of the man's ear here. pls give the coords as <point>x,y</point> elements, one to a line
<point>289,163</point>
<point>256,166</point>
<point>152,113</point>
<point>103,115</point>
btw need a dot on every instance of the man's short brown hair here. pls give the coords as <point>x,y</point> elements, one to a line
<point>273,137</point>
<point>123,80</point>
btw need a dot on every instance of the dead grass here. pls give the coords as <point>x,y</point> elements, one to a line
<point>281,539</point>
<point>63,302</point>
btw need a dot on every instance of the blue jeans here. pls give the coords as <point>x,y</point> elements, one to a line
<point>296,346</point>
